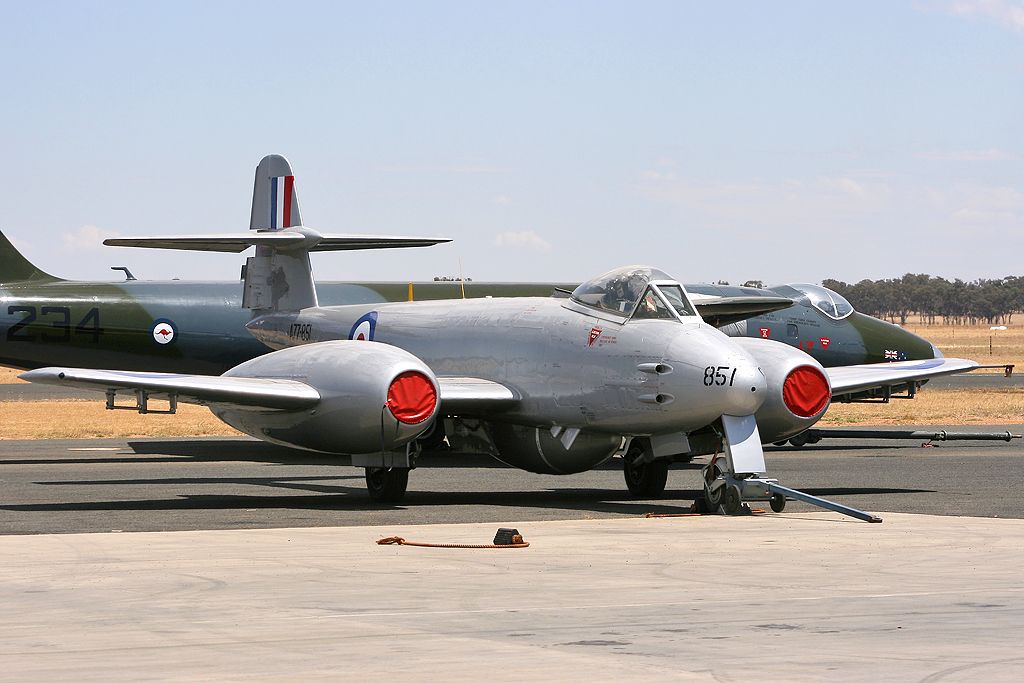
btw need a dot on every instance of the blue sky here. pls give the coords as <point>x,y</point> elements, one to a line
<point>553,141</point>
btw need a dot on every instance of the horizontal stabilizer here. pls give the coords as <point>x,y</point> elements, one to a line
<point>298,239</point>
<point>249,392</point>
<point>853,378</point>
<point>723,310</point>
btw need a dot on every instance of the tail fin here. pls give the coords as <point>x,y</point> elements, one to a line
<point>274,202</point>
<point>279,276</point>
<point>16,268</point>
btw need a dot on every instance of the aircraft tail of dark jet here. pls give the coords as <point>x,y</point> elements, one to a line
<point>16,268</point>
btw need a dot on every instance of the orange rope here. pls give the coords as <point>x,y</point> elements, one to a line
<point>518,542</point>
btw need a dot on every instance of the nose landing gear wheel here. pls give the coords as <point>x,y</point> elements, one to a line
<point>713,494</point>
<point>733,499</point>
<point>387,484</point>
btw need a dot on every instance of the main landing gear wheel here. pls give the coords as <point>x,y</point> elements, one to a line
<point>644,479</point>
<point>778,502</point>
<point>387,484</point>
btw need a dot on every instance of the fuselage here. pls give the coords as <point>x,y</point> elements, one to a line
<point>199,327</point>
<point>571,365</point>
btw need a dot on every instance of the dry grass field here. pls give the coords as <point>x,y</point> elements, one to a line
<point>933,407</point>
<point>85,419</point>
<point>88,419</point>
<point>974,341</point>
<point>91,420</point>
<point>9,375</point>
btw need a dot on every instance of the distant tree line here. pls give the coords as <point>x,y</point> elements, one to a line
<point>934,298</point>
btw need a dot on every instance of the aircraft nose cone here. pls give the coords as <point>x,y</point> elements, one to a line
<point>720,378</point>
<point>749,388</point>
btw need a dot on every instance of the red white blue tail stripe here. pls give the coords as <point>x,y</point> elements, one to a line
<point>282,191</point>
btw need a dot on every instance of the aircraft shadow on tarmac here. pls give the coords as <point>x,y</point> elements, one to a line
<point>353,497</point>
<point>345,491</point>
<point>244,450</point>
<point>217,450</point>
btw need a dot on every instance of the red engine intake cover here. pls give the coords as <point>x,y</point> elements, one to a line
<point>806,391</point>
<point>411,397</point>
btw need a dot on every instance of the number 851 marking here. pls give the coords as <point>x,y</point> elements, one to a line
<point>719,376</point>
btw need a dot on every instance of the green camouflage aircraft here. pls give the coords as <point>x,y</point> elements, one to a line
<point>199,327</point>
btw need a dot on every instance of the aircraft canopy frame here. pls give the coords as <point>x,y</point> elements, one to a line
<point>636,292</point>
<point>829,302</point>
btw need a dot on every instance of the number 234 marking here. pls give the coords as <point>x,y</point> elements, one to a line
<point>719,376</point>
<point>59,319</point>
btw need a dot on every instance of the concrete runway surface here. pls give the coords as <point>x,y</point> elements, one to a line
<point>274,572</point>
<point>799,597</point>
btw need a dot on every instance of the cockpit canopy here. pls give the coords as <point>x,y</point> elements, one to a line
<point>627,291</point>
<point>825,300</point>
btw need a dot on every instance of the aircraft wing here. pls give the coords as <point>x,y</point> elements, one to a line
<point>853,378</point>
<point>722,310</point>
<point>273,394</point>
<point>474,395</point>
<point>279,239</point>
<point>458,394</point>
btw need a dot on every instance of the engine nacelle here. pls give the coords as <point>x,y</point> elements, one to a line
<point>374,397</point>
<point>798,389</point>
<point>534,449</point>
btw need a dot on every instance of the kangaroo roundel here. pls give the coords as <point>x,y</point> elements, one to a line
<point>164,331</point>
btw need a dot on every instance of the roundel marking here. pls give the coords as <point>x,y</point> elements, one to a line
<point>164,331</point>
<point>365,328</point>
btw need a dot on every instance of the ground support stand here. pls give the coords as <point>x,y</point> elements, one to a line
<point>739,474</point>
<point>733,492</point>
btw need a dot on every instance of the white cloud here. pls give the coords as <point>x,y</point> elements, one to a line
<point>1009,13</point>
<point>994,209</point>
<point>839,205</point>
<point>464,169</point>
<point>86,238</point>
<point>502,200</point>
<point>750,201</point>
<point>968,155</point>
<point>526,239</point>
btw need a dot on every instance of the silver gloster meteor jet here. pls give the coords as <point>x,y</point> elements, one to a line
<point>549,385</point>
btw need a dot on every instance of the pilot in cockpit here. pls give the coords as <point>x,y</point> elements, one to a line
<point>651,307</point>
<point>638,292</point>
